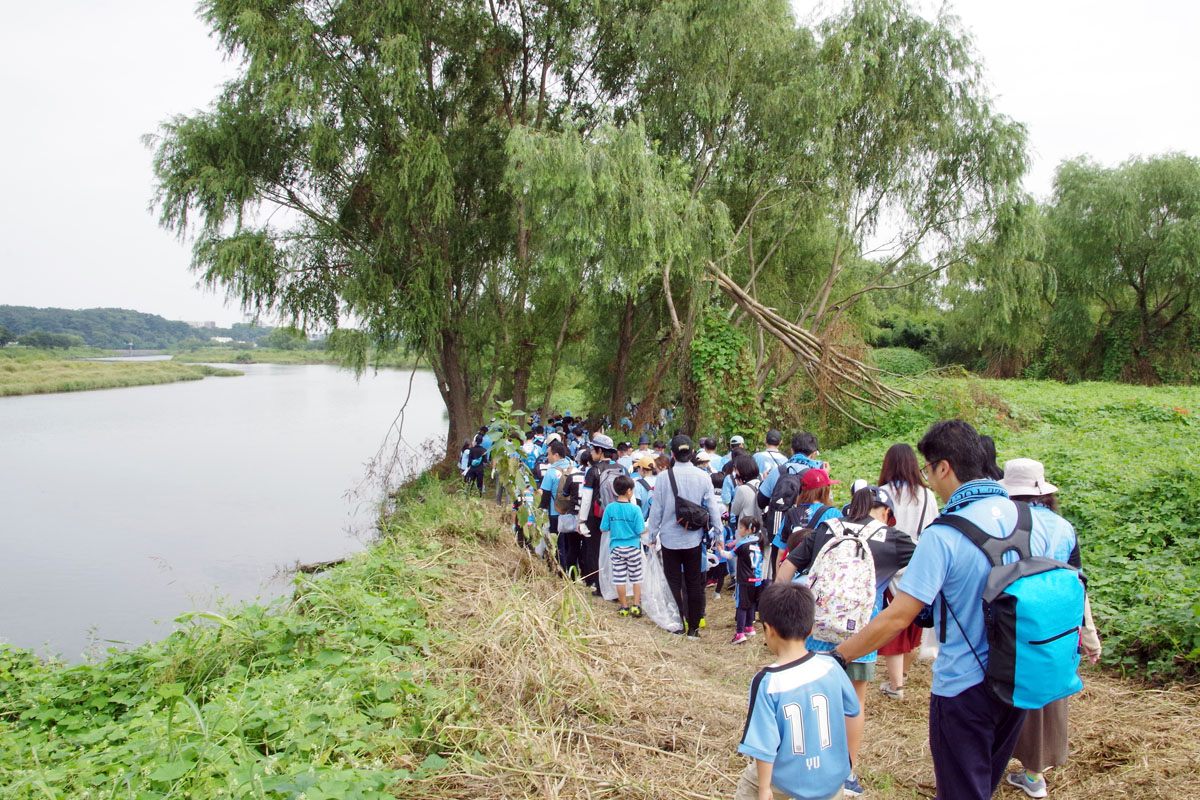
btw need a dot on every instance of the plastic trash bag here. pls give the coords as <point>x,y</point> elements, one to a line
<point>657,602</point>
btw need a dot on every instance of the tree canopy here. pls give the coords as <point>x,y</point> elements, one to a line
<point>651,184</point>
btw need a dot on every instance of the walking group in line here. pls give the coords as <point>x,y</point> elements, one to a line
<point>957,557</point>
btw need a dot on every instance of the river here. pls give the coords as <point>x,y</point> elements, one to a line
<point>124,508</point>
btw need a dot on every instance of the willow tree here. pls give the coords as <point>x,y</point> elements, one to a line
<point>355,169</point>
<point>892,140</point>
<point>1125,243</point>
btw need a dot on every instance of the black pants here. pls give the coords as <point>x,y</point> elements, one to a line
<point>589,558</point>
<point>474,478</point>
<point>971,737</point>
<point>684,571</point>
<point>569,546</point>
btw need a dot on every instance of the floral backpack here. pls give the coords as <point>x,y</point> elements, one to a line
<point>842,580</point>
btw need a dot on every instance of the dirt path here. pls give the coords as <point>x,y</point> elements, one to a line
<point>591,705</point>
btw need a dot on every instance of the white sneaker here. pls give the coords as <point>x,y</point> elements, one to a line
<point>1032,788</point>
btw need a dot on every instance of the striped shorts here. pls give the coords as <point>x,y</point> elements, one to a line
<point>627,565</point>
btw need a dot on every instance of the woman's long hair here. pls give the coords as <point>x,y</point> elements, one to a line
<point>821,494</point>
<point>900,468</point>
<point>861,504</point>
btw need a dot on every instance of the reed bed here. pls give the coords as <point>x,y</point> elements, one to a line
<point>50,376</point>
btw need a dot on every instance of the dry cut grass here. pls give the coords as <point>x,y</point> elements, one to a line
<point>576,702</point>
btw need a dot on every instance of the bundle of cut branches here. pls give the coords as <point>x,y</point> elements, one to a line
<point>839,380</point>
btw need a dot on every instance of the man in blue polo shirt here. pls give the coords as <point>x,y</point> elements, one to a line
<point>971,732</point>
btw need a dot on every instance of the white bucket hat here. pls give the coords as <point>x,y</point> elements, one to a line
<point>1025,477</point>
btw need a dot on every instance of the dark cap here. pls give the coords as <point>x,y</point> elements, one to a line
<point>774,437</point>
<point>643,439</point>
<point>681,444</point>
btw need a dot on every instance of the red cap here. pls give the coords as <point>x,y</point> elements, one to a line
<point>815,478</point>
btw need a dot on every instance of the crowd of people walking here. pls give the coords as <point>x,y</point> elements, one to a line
<point>937,559</point>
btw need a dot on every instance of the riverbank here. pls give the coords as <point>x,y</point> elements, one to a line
<point>264,355</point>
<point>444,663</point>
<point>50,375</point>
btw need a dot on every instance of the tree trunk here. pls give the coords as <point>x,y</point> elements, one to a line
<point>554,357</point>
<point>620,384</point>
<point>647,411</point>
<point>454,386</point>
<point>524,365</point>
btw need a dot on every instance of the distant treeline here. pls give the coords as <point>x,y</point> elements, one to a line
<point>116,328</point>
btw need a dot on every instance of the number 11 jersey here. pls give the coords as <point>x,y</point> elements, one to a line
<point>797,721</point>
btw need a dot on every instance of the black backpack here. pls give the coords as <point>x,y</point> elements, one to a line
<point>801,517</point>
<point>787,489</point>
<point>539,469</point>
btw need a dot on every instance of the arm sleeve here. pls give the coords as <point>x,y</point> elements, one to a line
<point>714,513</point>
<point>929,566</point>
<point>761,737</point>
<point>654,521</point>
<point>802,557</point>
<point>585,503</point>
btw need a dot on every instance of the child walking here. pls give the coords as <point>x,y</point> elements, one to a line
<point>624,524</point>
<point>796,725</point>
<point>747,551</point>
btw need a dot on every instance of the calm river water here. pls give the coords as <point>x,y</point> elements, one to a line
<point>121,509</point>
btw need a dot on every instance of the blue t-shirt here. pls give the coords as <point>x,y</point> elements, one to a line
<point>769,461</point>
<point>625,524</point>
<point>797,721</point>
<point>550,480</point>
<point>946,564</point>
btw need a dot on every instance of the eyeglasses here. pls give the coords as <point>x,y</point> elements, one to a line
<point>928,464</point>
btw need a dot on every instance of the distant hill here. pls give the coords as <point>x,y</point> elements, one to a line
<point>116,328</point>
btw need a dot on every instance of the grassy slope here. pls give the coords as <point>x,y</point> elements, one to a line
<point>1124,458</point>
<point>43,376</point>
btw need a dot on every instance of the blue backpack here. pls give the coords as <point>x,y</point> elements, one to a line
<point>1032,612</point>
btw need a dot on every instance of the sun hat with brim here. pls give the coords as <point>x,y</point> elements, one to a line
<point>681,444</point>
<point>603,442</point>
<point>643,439</point>
<point>815,478</point>
<point>1026,477</point>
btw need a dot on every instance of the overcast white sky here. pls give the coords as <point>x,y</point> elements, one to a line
<point>83,80</point>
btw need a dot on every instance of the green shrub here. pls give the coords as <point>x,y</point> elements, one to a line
<point>902,361</point>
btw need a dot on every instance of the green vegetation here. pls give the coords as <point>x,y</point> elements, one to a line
<point>1125,460</point>
<point>266,355</point>
<point>329,694</point>
<point>901,360</point>
<point>19,376</point>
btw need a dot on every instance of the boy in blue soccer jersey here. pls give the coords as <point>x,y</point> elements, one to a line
<point>624,523</point>
<point>796,726</point>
